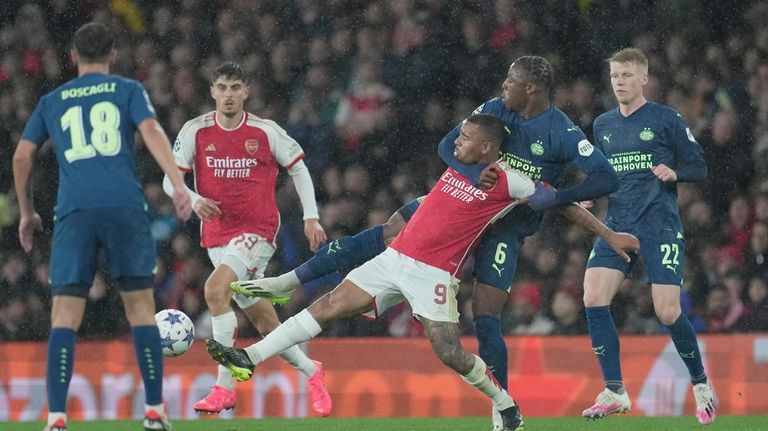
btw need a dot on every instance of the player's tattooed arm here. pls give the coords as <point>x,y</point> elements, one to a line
<point>620,242</point>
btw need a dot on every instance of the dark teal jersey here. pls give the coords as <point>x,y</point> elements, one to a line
<point>652,135</point>
<point>92,121</point>
<point>542,147</point>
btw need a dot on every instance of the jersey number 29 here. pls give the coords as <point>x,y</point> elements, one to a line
<point>104,118</point>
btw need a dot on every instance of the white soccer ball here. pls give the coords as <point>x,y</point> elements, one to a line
<point>177,332</point>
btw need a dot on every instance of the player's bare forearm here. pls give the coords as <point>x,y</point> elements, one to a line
<point>620,242</point>
<point>160,147</point>
<point>158,144</point>
<point>23,160</point>
<point>580,216</point>
<point>30,221</point>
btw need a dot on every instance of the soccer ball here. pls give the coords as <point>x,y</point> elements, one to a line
<point>177,333</point>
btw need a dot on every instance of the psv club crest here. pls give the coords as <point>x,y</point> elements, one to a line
<point>251,146</point>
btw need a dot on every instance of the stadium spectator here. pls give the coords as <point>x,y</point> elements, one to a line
<point>365,106</point>
<point>719,314</point>
<point>568,312</point>
<point>525,317</point>
<point>757,254</point>
<point>726,150</point>
<point>641,318</point>
<point>755,316</point>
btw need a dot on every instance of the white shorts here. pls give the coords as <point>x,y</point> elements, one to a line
<point>392,277</point>
<point>247,255</point>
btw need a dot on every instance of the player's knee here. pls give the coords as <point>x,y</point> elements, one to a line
<point>216,296</point>
<point>594,298</point>
<point>326,309</point>
<point>667,313</point>
<point>488,300</point>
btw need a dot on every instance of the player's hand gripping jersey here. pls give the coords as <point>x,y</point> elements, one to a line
<point>239,169</point>
<point>452,217</point>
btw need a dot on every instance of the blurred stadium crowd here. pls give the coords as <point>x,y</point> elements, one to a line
<point>368,88</point>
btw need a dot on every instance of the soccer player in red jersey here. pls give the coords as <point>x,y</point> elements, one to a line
<point>420,266</point>
<point>235,157</point>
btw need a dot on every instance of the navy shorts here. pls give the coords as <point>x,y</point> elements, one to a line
<point>124,236</point>
<point>663,254</point>
<point>496,256</point>
<point>407,210</point>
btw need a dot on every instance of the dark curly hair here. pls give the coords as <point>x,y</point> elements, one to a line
<point>535,69</point>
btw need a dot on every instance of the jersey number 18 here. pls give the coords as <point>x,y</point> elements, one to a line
<point>104,118</point>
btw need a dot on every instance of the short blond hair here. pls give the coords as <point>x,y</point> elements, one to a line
<point>629,55</point>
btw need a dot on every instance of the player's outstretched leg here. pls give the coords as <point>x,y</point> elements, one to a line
<point>233,359</point>
<point>608,403</point>
<point>706,402</point>
<point>343,253</point>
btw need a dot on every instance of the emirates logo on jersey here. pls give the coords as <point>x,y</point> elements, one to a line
<point>251,145</point>
<point>460,189</point>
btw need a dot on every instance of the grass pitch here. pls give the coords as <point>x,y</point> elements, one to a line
<point>724,423</point>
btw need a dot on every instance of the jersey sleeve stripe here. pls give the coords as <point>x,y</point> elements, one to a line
<point>296,160</point>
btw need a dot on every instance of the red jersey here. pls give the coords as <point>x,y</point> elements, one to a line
<point>237,167</point>
<point>452,217</point>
